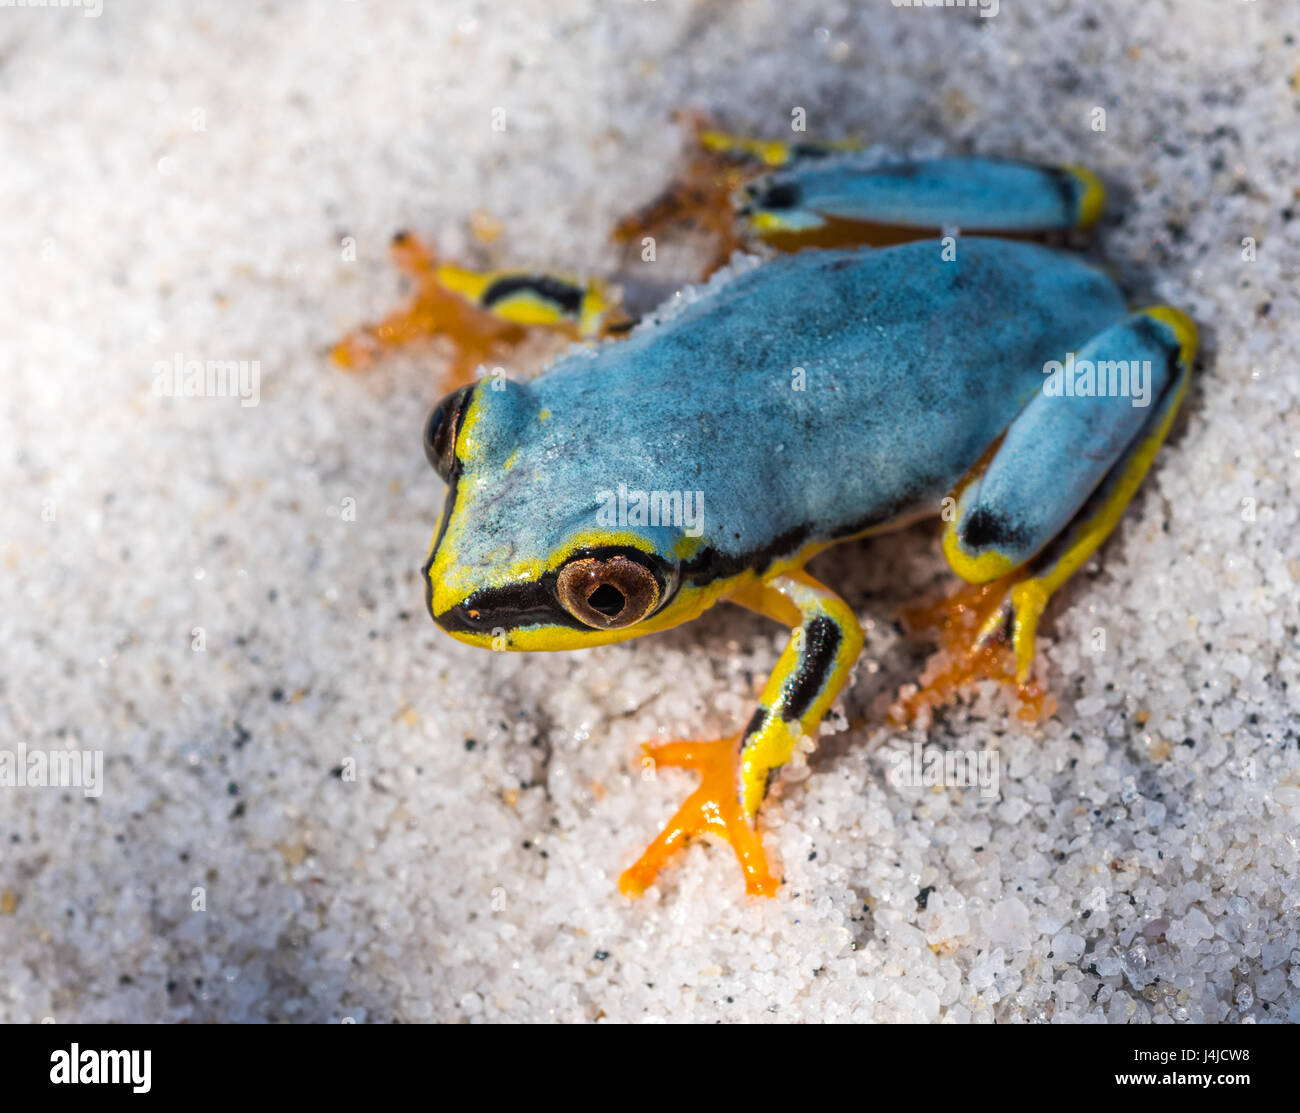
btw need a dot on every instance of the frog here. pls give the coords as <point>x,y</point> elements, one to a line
<point>821,396</point>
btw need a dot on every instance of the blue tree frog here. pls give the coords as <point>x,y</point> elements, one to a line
<point>924,369</point>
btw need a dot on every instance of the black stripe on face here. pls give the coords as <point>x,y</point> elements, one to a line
<point>536,604</point>
<point>507,608</point>
<point>563,294</point>
<point>821,645</point>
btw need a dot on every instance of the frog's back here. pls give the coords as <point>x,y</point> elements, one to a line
<point>824,392</point>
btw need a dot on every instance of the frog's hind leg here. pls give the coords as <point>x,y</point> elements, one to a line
<point>483,314</point>
<point>736,772</point>
<point>701,195</point>
<point>1053,491</point>
<point>698,198</point>
<point>845,203</point>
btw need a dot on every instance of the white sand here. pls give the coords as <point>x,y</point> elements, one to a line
<point>1121,876</point>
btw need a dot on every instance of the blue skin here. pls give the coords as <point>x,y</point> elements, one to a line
<point>893,415</point>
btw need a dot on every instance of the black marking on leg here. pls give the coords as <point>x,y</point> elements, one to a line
<point>821,646</point>
<point>1071,191</point>
<point>778,194</point>
<point>811,151</point>
<point>756,722</point>
<point>983,527</point>
<point>558,292</point>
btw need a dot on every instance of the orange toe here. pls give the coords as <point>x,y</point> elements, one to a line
<point>964,658</point>
<point>713,809</point>
<point>476,336</point>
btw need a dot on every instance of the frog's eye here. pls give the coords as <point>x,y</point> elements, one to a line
<point>607,594</point>
<point>441,429</point>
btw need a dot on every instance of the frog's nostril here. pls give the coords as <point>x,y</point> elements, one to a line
<point>460,618</point>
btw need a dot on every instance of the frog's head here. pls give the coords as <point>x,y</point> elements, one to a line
<point>529,553</point>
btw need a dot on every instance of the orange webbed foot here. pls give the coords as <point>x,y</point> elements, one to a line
<point>476,336</point>
<point>974,644</point>
<point>712,810</point>
<point>699,197</point>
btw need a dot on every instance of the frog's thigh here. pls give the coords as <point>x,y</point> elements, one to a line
<point>975,194</point>
<point>1068,440</point>
<point>825,641</point>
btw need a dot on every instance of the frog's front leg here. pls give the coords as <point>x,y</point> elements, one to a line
<point>1050,495</point>
<point>736,772</point>
<point>482,313</point>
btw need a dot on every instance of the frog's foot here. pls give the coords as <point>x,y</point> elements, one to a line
<point>699,198</point>
<point>986,632</point>
<point>714,809</point>
<point>477,336</point>
<point>484,315</point>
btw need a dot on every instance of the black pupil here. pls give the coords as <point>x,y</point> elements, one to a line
<point>606,599</point>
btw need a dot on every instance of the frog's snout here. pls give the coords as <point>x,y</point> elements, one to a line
<point>460,618</point>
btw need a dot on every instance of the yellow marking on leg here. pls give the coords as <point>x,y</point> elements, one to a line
<point>1094,195</point>
<point>978,568</point>
<point>526,306</point>
<point>770,152</point>
<point>471,285</point>
<point>1184,328</point>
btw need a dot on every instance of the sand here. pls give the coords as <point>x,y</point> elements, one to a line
<point>315,806</point>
